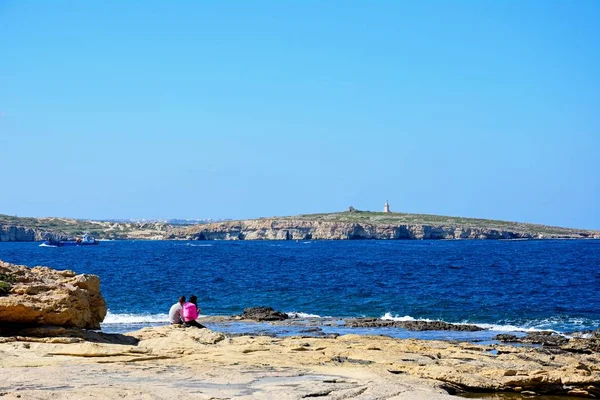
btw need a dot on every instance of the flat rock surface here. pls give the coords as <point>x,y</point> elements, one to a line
<point>170,361</point>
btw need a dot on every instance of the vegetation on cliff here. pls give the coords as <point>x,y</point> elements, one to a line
<point>395,218</point>
<point>342,225</point>
<point>69,227</point>
<point>355,224</point>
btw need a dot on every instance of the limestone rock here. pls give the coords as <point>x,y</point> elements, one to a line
<point>506,337</point>
<point>296,229</point>
<point>410,325</point>
<point>263,314</point>
<point>176,339</point>
<point>543,337</point>
<point>17,233</point>
<point>44,296</point>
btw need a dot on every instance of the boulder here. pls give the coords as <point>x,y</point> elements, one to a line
<point>44,296</point>
<point>263,314</point>
<point>506,337</point>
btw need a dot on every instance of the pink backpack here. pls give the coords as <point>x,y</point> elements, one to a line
<point>190,312</point>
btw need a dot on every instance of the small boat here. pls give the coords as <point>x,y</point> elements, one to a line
<point>86,240</point>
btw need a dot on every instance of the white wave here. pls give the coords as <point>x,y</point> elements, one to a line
<point>565,324</point>
<point>531,326</point>
<point>198,245</point>
<point>389,317</point>
<point>509,328</point>
<point>47,245</point>
<point>134,318</point>
<point>295,314</point>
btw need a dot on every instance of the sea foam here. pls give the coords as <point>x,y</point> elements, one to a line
<point>135,318</point>
<point>389,317</point>
<point>532,326</point>
<point>296,314</point>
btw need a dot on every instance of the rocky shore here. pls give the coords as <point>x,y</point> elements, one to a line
<point>169,361</point>
<point>301,229</point>
<point>37,296</point>
<point>410,325</point>
<point>16,233</point>
<point>46,352</point>
<point>27,229</point>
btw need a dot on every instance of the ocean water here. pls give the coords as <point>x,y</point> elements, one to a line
<point>502,285</point>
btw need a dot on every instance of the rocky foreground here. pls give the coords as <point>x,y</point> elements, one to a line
<point>168,362</point>
<point>45,353</point>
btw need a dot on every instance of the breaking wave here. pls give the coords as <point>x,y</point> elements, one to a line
<point>296,314</point>
<point>556,324</point>
<point>135,318</point>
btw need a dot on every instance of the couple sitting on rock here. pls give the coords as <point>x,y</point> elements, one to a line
<point>185,313</point>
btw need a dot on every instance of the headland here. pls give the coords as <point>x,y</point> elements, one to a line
<point>349,225</point>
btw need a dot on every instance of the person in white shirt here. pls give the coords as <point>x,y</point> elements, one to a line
<point>175,312</point>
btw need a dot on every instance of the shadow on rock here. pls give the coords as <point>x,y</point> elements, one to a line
<point>60,334</point>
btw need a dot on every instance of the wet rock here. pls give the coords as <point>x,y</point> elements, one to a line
<point>545,339</point>
<point>549,339</point>
<point>588,334</point>
<point>263,314</point>
<point>505,337</point>
<point>316,330</point>
<point>410,325</point>
<point>582,345</point>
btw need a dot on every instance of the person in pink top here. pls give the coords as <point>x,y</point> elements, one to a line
<point>190,312</point>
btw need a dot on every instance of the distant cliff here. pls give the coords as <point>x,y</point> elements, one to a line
<point>334,226</point>
<point>28,229</point>
<point>366,225</point>
<point>12,233</point>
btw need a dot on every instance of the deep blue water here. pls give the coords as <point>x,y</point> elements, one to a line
<point>550,284</point>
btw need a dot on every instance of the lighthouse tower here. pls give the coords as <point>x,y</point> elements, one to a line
<point>386,207</point>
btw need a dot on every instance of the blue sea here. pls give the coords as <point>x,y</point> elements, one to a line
<point>506,286</point>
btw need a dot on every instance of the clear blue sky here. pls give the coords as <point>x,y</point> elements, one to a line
<point>238,109</point>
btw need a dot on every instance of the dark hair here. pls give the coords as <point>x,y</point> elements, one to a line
<point>193,299</point>
<point>182,299</point>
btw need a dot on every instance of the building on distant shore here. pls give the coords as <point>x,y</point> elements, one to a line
<point>386,207</point>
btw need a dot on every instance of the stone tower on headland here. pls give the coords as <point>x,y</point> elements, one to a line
<point>386,207</point>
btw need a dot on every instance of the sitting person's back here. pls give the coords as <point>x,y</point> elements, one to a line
<point>175,312</point>
<point>190,312</point>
